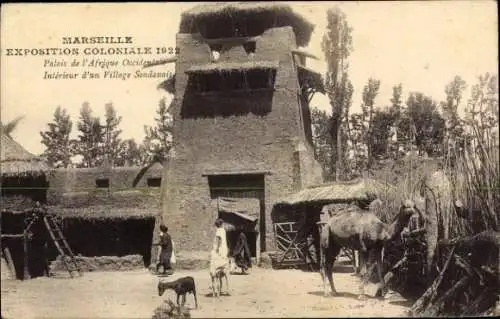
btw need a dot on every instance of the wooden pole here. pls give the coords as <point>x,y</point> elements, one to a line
<point>26,274</point>
<point>257,248</point>
<point>12,236</point>
<point>10,262</point>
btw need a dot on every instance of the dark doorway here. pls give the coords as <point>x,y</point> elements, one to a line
<point>154,182</point>
<point>102,183</point>
<point>110,237</point>
<point>242,186</point>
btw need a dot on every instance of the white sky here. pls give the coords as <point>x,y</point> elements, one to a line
<point>420,44</point>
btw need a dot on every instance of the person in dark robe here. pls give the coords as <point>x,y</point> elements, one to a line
<point>241,253</point>
<point>166,248</point>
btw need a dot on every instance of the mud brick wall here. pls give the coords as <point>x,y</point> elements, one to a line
<point>76,188</point>
<point>237,144</point>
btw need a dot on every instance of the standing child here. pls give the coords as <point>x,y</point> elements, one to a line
<point>166,249</point>
<point>219,256</point>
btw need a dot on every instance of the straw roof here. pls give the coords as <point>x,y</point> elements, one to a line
<point>103,212</point>
<point>305,53</point>
<point>17,161</point>
<point>282,12</point>
<point>159,62</point>
<point>168,85</point>
<point>232,66</point>
<point>312,78</point>
<point>339,192</point>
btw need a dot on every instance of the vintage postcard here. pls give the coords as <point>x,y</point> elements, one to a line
<point>249,159</point>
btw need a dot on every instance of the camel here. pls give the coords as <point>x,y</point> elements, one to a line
<point>362,231</point>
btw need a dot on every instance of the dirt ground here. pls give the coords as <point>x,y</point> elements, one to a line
<point>133,294</point>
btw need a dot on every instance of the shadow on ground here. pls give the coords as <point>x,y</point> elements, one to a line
<point>341,294</point>
<point>404,303</point>
<point>222,294</point>
<point>238,273</point>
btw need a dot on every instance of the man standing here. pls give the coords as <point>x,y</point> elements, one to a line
<point>165,250</point>
<point>219,258</point>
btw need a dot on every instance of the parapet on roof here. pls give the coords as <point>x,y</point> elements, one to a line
<point>252,18</point>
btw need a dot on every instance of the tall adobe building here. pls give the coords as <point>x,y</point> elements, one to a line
<point>242,126</point>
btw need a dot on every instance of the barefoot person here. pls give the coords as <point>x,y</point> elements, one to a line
<point>219,257</point>
<point>166,248</point>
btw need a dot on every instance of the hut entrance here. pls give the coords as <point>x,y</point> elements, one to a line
<point>297,235</point>
<point>110,236</point>
<point>33,188</point>
<point>26,242</point>
<point>242,194</point>
<point>240,215</point>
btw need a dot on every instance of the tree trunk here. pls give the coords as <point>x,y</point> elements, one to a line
<point>339,165</point>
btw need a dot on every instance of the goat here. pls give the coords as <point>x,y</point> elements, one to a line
<point>217,277</point>
<point>181,286</point>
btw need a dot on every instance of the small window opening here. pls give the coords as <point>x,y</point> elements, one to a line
<point>215,50</point>
<point>102,183</point>
<point>154,182</point>
<point>249,48</point>
<point>236,80</point>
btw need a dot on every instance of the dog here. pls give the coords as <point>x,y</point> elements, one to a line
<point>217,280</point>
<point>181,286</point>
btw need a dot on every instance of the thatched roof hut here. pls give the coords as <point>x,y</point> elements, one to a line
<point>360,190</point>
<point>245,19</point>
<point>15,160</point>
<point>102,212</point>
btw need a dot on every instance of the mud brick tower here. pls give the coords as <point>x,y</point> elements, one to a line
<point>242,125</point>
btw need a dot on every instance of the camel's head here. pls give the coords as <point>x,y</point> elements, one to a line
<point>407,209</point>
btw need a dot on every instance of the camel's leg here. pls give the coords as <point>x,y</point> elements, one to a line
<point>322,264</point>
<point>363,246</point>
<point>329,275</point>
<point>322,271</point>
<point>363,262</point>
<point>366,275</point>
<point>329,262</point>
<point>324,261</point>
<point>381,291</point>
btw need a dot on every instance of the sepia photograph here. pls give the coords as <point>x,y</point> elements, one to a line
<point>250,159</point>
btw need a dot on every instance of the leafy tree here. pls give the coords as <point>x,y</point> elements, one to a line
<point>113,145</point>
<point>370,92</point>
<point>57,139</point>
<point>396,111</point>
<point>322,141</point>
<point>358,154</point>
<point>381,125</point>
<point>158,140</point>
<point>428,126</point>
<point>345,130</point>
<point>91,137</point>
<point>454,127</point>
<point>336,46</point>
<point>131,154</point>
